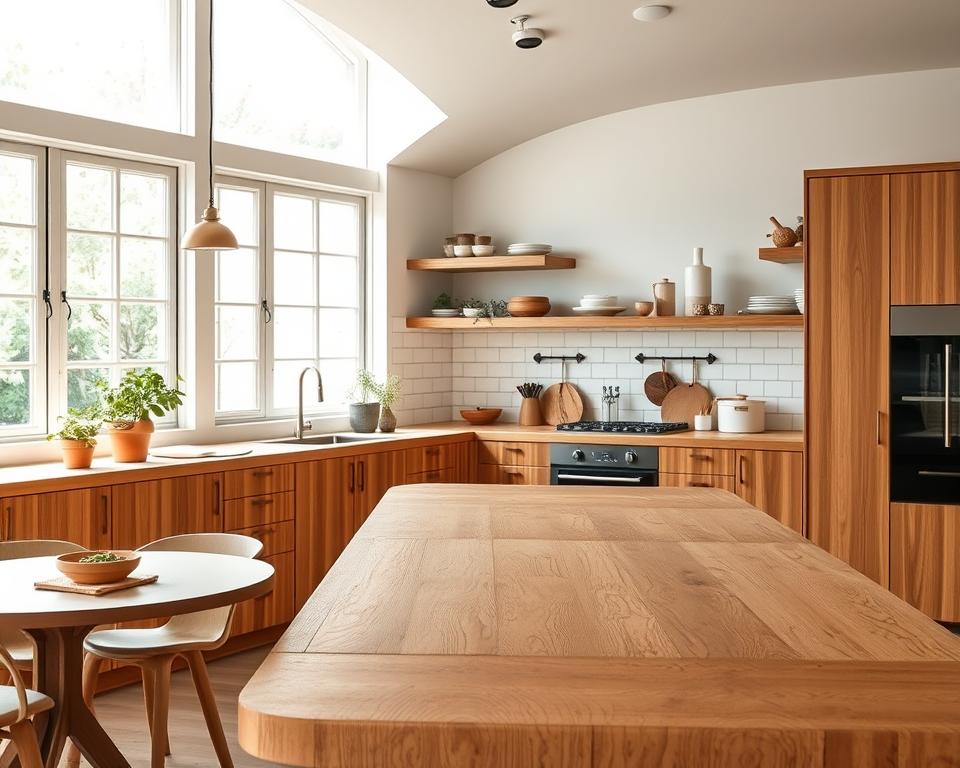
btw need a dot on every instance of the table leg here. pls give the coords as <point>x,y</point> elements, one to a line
<point>60,661</point>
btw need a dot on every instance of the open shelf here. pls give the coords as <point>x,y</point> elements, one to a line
<point>793,255</point>
<point>627,322</point>
<point>492,263</point>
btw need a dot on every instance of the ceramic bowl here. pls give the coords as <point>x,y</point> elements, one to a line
<point>448,251</point>
<point>463,250</point>
<point>465,238</point>
<point>98,573</point>
<point>528,306</point>
<point>484,240</point>
<point>643,308</point>
<point>479,416</point>
<point>472,311</point>
<point>593,301</point>
<point>715,309</point>
<point>699,310</point>
<point>483,250</point>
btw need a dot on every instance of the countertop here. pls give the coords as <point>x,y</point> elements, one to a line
<point>576,626</point>
<point>52,476</point>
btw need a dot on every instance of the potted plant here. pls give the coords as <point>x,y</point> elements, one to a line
<point>445,306</point>
<point>129,406</point>
<point>388,394</point>
<point>473,307</point>
<point>78,435</point>
<point>365,412</point>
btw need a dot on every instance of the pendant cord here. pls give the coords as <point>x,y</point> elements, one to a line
<point>210,79</point>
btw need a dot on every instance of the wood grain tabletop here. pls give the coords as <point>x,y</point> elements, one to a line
<point>575,626</point>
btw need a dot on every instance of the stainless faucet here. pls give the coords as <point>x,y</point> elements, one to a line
<point>304,426</point>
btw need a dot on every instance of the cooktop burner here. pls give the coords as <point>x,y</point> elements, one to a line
<point>634,427</point>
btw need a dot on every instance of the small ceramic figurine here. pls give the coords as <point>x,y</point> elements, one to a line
<point>783,237</point>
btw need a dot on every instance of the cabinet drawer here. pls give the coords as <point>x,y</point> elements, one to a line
<point>275,607</point>
<point>697,461</point>
<point>496,474</point>
<point>257,510</point>
<point>431,457</point>
<point>524,454</point>
<point>676,480</point>
<point>448,475</point>
<point>257,481</point>
<point>276,537</point>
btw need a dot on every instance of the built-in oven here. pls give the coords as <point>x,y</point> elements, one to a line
<point>620,465</point>
<point>925,404</point>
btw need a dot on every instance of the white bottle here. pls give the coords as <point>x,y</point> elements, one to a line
<point>696,282</point>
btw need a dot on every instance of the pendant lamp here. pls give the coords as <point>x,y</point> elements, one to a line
<point>209,234</point>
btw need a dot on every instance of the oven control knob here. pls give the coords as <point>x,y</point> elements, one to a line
<point>631,457</point>
<point>578,455</point>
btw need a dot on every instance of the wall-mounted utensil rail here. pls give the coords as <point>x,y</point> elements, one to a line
<point>710,358</point>
<point>579,357</point>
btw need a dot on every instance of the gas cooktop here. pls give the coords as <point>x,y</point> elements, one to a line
<point>631,427</point>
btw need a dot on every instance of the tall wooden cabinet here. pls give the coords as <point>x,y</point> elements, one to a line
<point>847,382</point>
<point>83,517</point>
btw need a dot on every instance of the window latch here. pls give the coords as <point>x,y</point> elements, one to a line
<point>63,300</point>
<point>266,310</point>
<point>46,300</point>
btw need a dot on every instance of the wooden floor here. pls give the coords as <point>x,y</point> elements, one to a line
<point>121,713</point>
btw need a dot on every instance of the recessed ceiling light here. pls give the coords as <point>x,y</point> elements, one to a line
<point>501,3</point>
<point>652,12</point>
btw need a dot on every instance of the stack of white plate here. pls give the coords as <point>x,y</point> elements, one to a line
<point>529,249</point>
<point>445,312</point>
<point>798,296</point>
<point>598,304</point>
<point>772,305</point>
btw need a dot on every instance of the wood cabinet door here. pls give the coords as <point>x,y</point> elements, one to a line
<point>325,518</point>
<point>846,359</point>
<point>273,608</point>
<point>82,517</point>
<point>773,482</point>
<point>925,237</point>
<point>153,509</point>
<point>924,560</point>
<point>376,474</point>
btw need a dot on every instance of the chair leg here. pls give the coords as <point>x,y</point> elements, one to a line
<point>149,686</point>
<point>91,676</point>
<point>208,703</point>
<point>25,739</point>
<point>161,708</point>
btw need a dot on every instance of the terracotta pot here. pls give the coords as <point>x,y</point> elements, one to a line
<point>76,454</point>
<point>131,439</point>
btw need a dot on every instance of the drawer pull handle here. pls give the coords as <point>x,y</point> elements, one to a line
<point>698,457</point>
<point>261,534</point>
<point>263,473</point>
<point>700,485</point>
<point>432,451</point>
<point>743,461</point>
<point>105,515</point>
<point>216,498</point>
<point>261,502</point>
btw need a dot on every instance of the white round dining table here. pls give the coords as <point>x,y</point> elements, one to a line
<point>59,621</point>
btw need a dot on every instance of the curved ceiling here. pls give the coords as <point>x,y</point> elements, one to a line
<point>597,59</point>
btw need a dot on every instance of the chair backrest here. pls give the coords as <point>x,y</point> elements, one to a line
<point>14,550</point>
<point>11,668</point>
<point>213,625</point>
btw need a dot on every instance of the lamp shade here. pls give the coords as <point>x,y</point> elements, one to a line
<point>209,234</point>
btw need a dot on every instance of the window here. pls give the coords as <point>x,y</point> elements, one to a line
<point>284,84</point>
<point>106,59</point>
<point>291,297</point>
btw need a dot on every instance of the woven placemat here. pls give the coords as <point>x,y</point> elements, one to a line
<point>63,584</point>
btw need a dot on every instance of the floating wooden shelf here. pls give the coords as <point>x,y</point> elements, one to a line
<point>792,255</point>
<point>492,263</point>
<point>626,322</point>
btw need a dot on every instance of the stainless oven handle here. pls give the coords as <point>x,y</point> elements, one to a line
<point>936,473</point>
<point>947,351</point>
<point>601,478</point>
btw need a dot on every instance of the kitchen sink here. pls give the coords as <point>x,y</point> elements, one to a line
<point>330,439</point>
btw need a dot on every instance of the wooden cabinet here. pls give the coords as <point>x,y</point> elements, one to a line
<point>258,510</point>
<point>678,480</point>
<point>82,516</point>
<point>498,474</point>
<point>697,461</point>
<point>153,509</point>
<point>847,349</point>
<point>925,237</point>
<point>376,474</point>
<point>258,481</point>
<point>924,561</point>
<point>772,481</point>
<point>276,607</point>
<point>507,453</point>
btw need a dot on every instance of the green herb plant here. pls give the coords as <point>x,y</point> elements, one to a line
<point>101,557</point>
<point>364,385</point>
<point>490,309</point>
<point>80,424</point>
<point>444,301</point>
<point>140,395</point>
<point>388,393</point>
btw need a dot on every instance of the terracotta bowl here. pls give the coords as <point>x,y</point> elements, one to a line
<point>478,416</point>
<point>98,573</point>
<point>644,308</point>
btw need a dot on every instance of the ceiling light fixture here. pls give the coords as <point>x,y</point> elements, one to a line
<point>501,3</point>
<point>526,38</point>
<point>652,12</point>
<point>209,234</point>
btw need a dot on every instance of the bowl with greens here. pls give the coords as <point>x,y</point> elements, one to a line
<point>103,566</point>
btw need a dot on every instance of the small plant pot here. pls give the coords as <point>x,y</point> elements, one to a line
<point>388,420</point>
<point>364,416</point>
<point>76,454</point>
<point>130,440</point>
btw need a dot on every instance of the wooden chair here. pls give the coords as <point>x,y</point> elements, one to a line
<point>154,650</point>
<point>17,705</point>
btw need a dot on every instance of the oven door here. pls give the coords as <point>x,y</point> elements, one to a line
<point>625,478</point>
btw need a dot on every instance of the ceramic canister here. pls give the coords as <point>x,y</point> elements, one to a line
<point>665,298</point>
<point>696,283</point>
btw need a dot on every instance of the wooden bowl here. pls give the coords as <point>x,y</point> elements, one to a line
<point>478,416</point>
<point>528,306</point>
<point>98,573</point>
<point>644,308</point>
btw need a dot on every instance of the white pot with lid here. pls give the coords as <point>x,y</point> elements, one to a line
<point>740,414</point>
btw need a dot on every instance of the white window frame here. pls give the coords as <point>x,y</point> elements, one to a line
<point>58,230</point>
<point>38,390</point>
<point>266,248</point>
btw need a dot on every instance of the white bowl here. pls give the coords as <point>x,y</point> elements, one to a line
<point>483,250</point>
<point>463,250</point>
<point>598,301</point>
<point>472,311</point>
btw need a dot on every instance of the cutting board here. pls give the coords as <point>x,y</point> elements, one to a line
<point>197,452</point>
<point>561,404</point>
<point>685,401</point>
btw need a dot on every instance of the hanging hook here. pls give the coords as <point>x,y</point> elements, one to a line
<point>266,308</point>
<point>63,300</point>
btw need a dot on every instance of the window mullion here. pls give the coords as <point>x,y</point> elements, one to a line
<point>267,339</point>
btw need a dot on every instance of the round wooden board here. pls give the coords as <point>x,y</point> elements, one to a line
<point>561,404</point>
<point>657,385</point>
<point>685,401</point>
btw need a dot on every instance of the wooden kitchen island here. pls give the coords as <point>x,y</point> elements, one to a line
<point>571,626</point>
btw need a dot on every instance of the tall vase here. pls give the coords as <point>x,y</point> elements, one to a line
<point>696,283</point>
